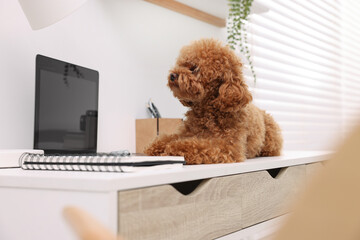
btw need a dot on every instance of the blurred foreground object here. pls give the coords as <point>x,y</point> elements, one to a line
<point>330,207</point>
<point>86,227</point>
<point>43,13</point>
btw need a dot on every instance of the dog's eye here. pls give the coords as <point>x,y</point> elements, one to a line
<point>193,68</point>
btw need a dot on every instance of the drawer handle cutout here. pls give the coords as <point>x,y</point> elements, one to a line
<point>186,188</point>
<point>276,172</point>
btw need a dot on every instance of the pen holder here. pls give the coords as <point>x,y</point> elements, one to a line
<point>148,129</point>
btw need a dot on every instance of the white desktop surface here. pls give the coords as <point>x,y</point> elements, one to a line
<point>106,181</point>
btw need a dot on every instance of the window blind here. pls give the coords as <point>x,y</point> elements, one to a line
<point>296,52</point>
<point>350,33</point>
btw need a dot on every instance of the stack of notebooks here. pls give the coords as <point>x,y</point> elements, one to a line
<point>99,162</point>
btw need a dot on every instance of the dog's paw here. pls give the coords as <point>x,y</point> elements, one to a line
<point>157,148</point>
<point>190,156</point>
<point>204,151</point>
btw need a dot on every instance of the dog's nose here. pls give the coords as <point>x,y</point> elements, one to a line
<point>173,76</point>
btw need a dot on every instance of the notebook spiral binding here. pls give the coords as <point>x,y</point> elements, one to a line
<point>101,163</point>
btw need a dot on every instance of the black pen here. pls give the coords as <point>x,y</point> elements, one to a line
<point>156,111</point>
<point>151,111</point>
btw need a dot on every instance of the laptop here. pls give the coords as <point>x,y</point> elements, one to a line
<point>66,107</point>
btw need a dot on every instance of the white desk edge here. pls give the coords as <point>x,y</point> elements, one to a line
<point>105,182</point>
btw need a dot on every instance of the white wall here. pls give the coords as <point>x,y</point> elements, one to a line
<point>132,43</point>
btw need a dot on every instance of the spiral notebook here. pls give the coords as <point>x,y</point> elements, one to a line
<point>99,162</point>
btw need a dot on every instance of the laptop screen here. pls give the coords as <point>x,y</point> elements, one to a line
<point>66,107</point>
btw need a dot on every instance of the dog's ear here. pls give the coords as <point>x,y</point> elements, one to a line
<point>233,95</point>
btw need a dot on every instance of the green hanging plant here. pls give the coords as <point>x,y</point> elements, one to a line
<point>236,28</point>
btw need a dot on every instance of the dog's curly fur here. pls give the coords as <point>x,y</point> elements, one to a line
<point>222,125</point>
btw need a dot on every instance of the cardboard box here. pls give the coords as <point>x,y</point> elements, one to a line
<point>148,129</point>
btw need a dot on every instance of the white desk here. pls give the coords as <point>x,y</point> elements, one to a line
<point>32,201</point>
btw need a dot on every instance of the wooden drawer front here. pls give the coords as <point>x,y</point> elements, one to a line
<point>217,207</point>
<point>265,197</point>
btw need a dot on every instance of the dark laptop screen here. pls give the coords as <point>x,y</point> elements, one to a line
<point>66,107</point>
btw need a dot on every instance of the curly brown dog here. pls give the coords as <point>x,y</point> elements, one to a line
<point>221,125</point>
